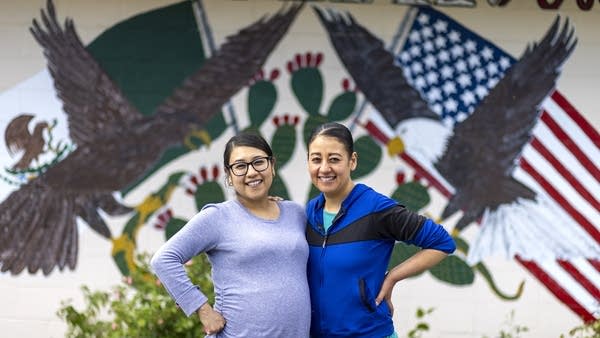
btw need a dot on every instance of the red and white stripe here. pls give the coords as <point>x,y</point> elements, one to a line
<point>563,162</point>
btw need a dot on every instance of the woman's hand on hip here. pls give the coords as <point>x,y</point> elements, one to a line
<point>212,321</point>
<point>386,294</point>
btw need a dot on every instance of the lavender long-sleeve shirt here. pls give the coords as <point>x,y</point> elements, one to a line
<point>258,269</point>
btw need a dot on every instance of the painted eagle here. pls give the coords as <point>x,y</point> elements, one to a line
<point>18,138</point>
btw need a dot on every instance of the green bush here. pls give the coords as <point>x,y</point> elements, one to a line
<point>587,330</point>
<point>511,329</point>
<point>422,326</point>
<point>139,307</point>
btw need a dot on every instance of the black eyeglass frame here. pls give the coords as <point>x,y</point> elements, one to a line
<point>251,163</point>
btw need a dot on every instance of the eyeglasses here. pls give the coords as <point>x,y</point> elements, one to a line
<point>259,164</point>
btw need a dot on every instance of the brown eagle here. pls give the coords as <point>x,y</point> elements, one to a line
<point>18,138</point>
<point>116,144</point>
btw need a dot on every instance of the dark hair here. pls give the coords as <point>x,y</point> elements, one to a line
<point>337,131</point>
<point>245,139</point>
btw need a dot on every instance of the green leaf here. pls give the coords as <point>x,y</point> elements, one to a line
<point>307,85</point>
<point>121,261</point>
<point>208,192</point>
<point>369,156</point>
<point>461,244</point>
<point>262,96</point>
<point>312,122</point>
<point>412,195</point>
<point>422,326</point>
<point>453,270</point>
<point>131,225</point>
<point>284,143</point>
<point>252,129</point>
<point>174,225</point>
<point>342,106</point>
<point>401,252</point>
<point>279,189</point>
<point>216,126</point>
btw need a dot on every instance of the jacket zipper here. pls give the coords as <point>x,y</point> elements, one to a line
<point>322,265</point>
<point>321,282</point>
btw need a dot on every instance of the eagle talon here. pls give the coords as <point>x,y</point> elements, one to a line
<point>395,146</point>
<point>201,134</point>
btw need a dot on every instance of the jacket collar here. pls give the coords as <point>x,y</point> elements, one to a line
<point>354,194</point>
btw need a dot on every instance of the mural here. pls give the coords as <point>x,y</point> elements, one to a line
<point>467,121</point>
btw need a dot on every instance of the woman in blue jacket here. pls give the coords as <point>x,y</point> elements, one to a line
<point>351,231</point>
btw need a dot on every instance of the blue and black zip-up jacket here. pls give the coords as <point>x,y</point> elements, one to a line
<point>347,264</point>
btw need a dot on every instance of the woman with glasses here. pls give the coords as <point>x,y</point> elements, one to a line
<point>351,232</point>
<point>257,249</point>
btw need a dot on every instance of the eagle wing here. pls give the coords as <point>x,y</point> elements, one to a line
<point>481,155</point>
<point>228,70</point>
<point>91,100</point>
<point>17,135</point>
<point>44,238</point>
<point>372,68</point>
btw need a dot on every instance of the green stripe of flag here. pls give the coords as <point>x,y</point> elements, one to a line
<point>150,54</point>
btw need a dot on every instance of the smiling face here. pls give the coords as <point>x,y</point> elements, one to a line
<point>330,165</point>
<point>254,185</point>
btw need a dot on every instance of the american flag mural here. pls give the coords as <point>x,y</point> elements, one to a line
<point>453,69</point>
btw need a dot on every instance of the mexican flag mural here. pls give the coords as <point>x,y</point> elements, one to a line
<point>123,136</point>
